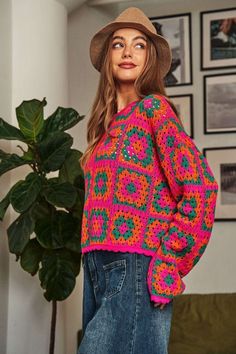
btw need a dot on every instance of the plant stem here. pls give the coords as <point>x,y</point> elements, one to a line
<point>21,148</point>
<point>53,327</point>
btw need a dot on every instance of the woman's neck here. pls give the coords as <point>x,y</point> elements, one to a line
<point>124,96</point>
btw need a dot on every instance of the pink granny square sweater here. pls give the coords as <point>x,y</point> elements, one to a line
<point>148,189</point>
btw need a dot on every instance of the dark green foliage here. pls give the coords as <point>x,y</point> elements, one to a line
<point>19,232</point>
<point>4,204</point>
<point>45,236</point>
<point>8,132</point>
<point>10,161</point>
<point>57,274</point>
<point>24,193</point>
<point>53,150</point>
<point>30,118</point>
<point>31,256</point>
<point>60,194</point>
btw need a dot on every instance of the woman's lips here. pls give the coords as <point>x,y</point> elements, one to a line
<point>127,66</point>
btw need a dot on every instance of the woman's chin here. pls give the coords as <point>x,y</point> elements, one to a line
<point>126,79</point>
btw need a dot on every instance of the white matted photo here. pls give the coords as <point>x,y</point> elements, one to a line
<point>184,106</point>
<point>220,103</point>
<point>222,161</point>
<point>177,30</point>
<point>218,39</point>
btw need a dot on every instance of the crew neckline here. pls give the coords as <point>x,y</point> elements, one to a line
<point>124,108</point>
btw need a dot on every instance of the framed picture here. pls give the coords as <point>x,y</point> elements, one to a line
<point>218,39</point>
<point>184,106</point>
<point>222,161</point>
<point>177,30</point>
<point>220,103</point>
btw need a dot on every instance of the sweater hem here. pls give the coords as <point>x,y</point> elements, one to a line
<point>118,248</point>
<point>160,299</point>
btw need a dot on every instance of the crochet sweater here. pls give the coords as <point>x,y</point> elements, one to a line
<point>149,190</point>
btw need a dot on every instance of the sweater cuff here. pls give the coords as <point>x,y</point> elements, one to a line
<point>160,299</point>
<point>164,280</point>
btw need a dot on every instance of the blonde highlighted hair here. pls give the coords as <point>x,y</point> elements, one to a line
<point>105,102</point>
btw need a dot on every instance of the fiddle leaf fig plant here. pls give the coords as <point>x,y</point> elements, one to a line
<point>45,235</point>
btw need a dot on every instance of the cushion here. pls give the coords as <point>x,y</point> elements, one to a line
<point>203,324</point>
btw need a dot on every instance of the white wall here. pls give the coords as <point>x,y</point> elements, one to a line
<point>5,111</point>
<point>215,271</point>
<point>39,69</point>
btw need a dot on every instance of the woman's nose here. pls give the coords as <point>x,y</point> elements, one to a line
<point>127,52</point>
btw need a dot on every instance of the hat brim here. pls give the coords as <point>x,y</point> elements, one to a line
<point>161,44</point>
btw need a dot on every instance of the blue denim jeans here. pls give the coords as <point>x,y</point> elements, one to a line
<point>118,315</point>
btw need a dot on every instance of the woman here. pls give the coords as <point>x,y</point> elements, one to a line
<point>150,195</point>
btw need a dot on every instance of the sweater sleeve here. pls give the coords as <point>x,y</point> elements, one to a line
<point>194,188</point>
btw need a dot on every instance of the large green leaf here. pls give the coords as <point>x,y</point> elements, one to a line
<point>57,275</point>
<point>29,155</point>
<point>53,150</point>
<point>79,182</point>
<point>19,232</point>
<point>74,244</point>
<point>61,120</point>
<point>62,195</point>
<point>4,204</point>
<point>10,161</point>
<point>30,117</point>
<point>24,194</point>
<point>78,207</point>
<point>71,168</point>
<point>76,257</point>
<point>41,209</point>
<point>31,256</point>
<point>55,231</point>
<point>9,132</point>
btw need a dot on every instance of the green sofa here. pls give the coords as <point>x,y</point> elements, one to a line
<point>203,324</point>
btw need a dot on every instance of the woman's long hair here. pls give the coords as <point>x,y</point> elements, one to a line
<point>105,102</point>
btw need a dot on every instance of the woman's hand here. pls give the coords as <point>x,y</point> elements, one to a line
<point>156,304</point>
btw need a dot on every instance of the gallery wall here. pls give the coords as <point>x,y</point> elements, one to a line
<point>210,274</point>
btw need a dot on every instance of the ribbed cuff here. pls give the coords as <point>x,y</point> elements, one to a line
<point>160,299</point>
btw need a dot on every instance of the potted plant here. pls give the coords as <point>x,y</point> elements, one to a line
<point>45,236</point>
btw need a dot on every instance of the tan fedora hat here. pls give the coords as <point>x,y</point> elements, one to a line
<point>132,17</point>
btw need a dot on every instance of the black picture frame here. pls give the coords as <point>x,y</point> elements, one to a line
<point>219,92</point>
<point>217,48</point>
<point>184,106</point>
<point>222,161</point>
<point>177,29</point>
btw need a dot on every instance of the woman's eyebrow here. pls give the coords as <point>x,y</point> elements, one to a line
<point>137,37</point>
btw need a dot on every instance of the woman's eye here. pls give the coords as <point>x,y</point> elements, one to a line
<point>116,45</point>
<point>141,45</point>
<point>119,45</point>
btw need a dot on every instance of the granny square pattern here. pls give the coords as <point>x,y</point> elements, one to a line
<point>126,228</point>
<point>148,189</point>
<point>131,189</point>
<point>102,184</point>
<point>108,148</point>
<point>98,224</point>
<point>137,148</point>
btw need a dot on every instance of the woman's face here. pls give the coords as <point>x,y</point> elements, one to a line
<point>128,54</point>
